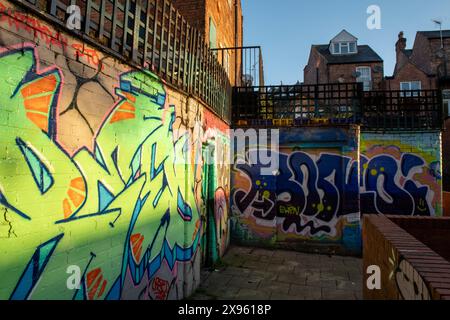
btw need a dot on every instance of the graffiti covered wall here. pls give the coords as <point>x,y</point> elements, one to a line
<point>327,179</point>
<point>100,171</point>
<point>401,173</point>
<point>313,198</point>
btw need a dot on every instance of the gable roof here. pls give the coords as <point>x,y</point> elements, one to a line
<point>435,34</point>
<point>365,54</point>
<point>344,36</point>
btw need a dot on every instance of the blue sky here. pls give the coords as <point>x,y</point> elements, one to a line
<point>286,28</point>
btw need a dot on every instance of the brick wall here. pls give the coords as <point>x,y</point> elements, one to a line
<point>222,13</point>
<point>331,73</point>
<point>274,210</point>
<point>399,159</point>
<point>97,172</point>
<point>435,46</point>
<point>345,71</point>
<point>421,55</point>
<point>425,54</point>
<point>410,72</point>
<point>409,269</point>
<point>316,61</point>
<point>194,11</point>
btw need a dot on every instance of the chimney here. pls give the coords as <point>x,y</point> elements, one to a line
<point>401,43</point>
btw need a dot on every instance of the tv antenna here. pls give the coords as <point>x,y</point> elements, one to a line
<point>439,23</point>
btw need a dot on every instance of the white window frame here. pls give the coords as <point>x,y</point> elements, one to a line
<point>367,82</point>
<point>345,44</point>
<point>409,85</point>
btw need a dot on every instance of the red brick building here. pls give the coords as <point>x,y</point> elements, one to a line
<point>423,66</point>
<point>221,22</point>
<point>426,66</point>
<point>343,60</point>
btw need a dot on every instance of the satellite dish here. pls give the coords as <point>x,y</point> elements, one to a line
<point>356,74</point>
<point>440,54</point>
<point>248,80</point>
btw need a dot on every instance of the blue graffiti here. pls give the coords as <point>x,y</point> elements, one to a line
<point>310,193</point>
<point>382,189</point>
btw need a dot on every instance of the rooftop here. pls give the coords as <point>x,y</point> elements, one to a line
<point>365,54</point>
<point>435,34</point>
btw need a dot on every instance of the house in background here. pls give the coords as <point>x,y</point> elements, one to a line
<point>221,22</point>
<point>426,66</point>
<point>343,60</point>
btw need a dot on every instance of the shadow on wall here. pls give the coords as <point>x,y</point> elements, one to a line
<point>120,202</point>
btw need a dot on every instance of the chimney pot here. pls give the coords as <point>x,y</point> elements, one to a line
<point>401,43</point>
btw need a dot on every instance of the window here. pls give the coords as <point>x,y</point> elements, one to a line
<point>409,86</point>
<point>336,48</point>
<point>365,76</point>
<point>212,34</point>
<point>446,97</point>
<point>344,47</point>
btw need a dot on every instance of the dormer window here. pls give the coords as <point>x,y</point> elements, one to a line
<point>344,43</point>
<point>344,48</point>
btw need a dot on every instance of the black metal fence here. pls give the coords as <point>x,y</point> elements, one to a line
<point>247,68</point>
<point>337,103</point>
<point>151,34</point>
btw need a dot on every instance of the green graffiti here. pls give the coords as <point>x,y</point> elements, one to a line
<point>123,207</point>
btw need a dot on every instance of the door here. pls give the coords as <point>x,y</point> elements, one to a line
<point>209,240</point>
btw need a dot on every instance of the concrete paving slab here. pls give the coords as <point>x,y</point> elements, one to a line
<point>261,274</point>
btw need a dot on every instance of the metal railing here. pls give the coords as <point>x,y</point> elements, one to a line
<point>338,103</point>
<point>152,34</point>
<point>247,67</point>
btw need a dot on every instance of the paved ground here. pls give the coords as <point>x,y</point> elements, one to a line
<point>258,274</point>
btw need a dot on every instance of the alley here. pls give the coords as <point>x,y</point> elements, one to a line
<point>256,274</point>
